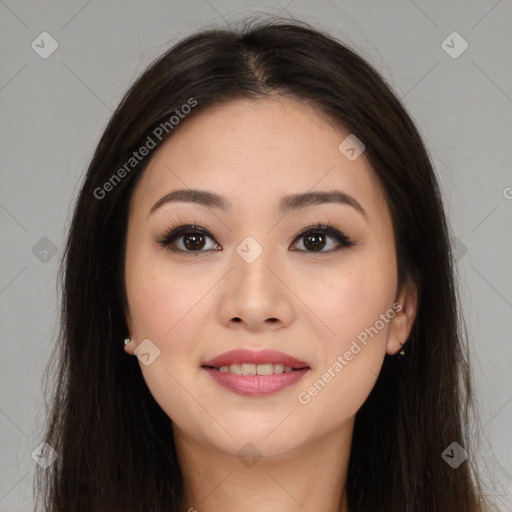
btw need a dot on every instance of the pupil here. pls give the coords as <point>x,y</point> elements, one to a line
<point>196,241</point>
<point>318,241</point>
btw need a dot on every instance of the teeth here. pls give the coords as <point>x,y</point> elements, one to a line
<point>255,369</point>
<point>278,368</point>
<point>249,369</point>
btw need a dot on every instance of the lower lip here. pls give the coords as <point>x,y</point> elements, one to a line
<point>256,385</point>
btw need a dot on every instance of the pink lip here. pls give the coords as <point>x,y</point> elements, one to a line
<point>256,385</point>
<point>240,356</point>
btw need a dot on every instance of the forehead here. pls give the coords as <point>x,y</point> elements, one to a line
<point>254,152</point>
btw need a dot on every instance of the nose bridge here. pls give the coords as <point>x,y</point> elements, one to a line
<point>251,261</point>
<point>254,294</point>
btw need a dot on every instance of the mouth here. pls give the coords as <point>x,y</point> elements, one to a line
<point>251,373</point>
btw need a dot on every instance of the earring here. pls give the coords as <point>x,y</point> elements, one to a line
<point>401,354</point>
<point>126,341</point>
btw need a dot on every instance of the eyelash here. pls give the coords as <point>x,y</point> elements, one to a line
<point>176,230</point>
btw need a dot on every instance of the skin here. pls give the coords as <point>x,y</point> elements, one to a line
<point>253,153</point>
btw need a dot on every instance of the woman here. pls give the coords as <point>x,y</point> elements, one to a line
<point>262,231</point>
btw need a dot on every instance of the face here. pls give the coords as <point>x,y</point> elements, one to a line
<point>255,271</point>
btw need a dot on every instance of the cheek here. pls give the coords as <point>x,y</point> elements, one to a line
<point>164,306</point>
<point>349,361</point>
<point>350,299</point>
<point>161,297</point>
<point>351,305</point>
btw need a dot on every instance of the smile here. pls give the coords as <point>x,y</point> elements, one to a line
<point>249,373</point>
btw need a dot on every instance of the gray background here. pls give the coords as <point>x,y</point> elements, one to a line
<point>54,110</point>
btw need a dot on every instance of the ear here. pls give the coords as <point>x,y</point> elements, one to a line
<point>130,347</point>
<point>406,306</point>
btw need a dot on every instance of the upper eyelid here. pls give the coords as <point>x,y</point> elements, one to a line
<point>194,226</point>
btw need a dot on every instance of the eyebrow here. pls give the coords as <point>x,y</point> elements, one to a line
<point>287,204</point>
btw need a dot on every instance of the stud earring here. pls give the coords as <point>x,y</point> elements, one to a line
<point>126,341</point>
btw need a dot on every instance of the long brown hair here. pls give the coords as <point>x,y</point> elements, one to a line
<point>114,443</point>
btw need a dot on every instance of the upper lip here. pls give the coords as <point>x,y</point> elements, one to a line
<point>240,356</point>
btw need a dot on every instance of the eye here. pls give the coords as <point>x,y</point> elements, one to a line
<point>315,239</point>
<point>191,238</point>
<point>187,238</point>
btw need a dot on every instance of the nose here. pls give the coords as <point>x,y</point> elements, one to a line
<point>255,296</point>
